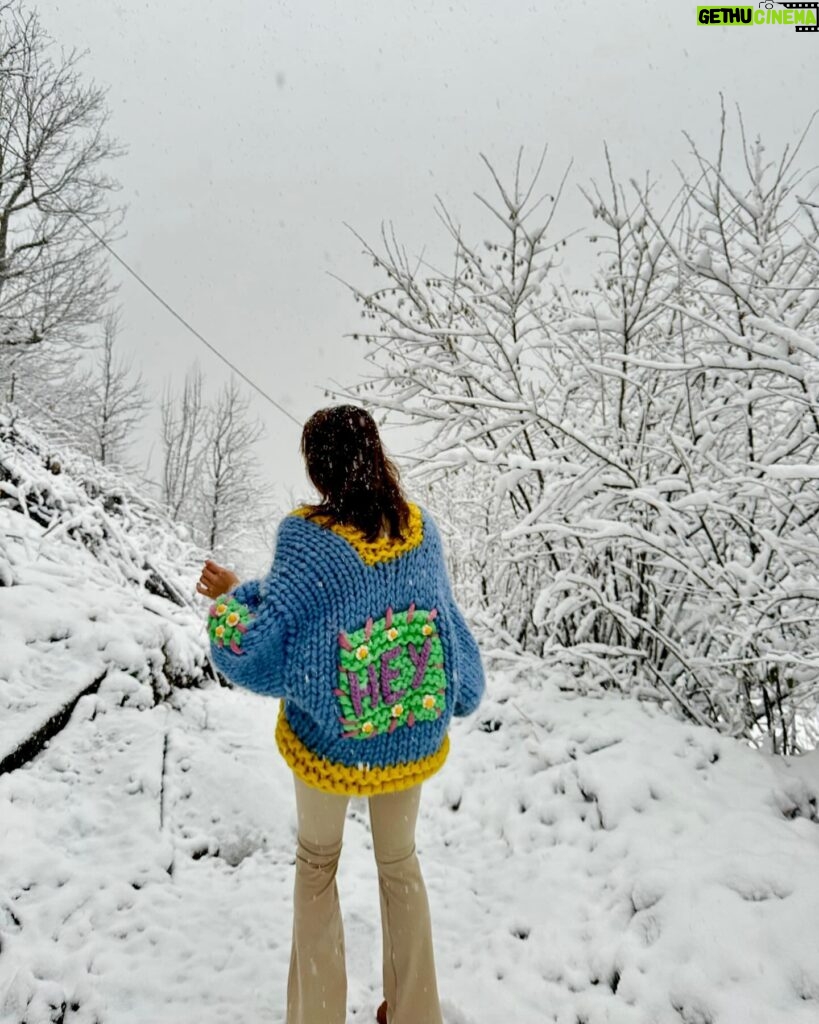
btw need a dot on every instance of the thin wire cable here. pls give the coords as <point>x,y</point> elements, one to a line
<point>158,297</point>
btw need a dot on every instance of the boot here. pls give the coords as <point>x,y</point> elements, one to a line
<point>381,1013</point>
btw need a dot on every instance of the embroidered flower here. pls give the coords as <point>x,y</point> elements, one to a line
<point>367,727</point>
<point>426,629</point>
<point>362,652</point>
<point>392,633</point>
<point>428,701</point>
<point>227,623</point>
<point>397,710</point>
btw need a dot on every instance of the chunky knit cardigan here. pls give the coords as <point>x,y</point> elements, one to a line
<point>365,647</point>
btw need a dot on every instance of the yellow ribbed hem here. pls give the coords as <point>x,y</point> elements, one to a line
<point>385,548</point>
<point>352,781</point>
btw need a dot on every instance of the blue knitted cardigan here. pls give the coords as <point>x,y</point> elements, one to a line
<point>364,645</point>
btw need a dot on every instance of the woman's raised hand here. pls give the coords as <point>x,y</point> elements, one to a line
<point>216,580</point>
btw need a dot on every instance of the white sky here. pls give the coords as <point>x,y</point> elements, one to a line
<point>256,129</point>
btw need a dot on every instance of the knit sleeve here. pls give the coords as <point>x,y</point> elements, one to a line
<point>248,593</point>
<point>248,627</point>
<point>471,679</point>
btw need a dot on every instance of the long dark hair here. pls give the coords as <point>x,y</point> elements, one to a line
<point>346,463</point>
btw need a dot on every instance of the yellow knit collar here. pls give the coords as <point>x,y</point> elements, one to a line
<point>383,549</point>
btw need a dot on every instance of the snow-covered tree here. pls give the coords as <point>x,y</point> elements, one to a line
<point>118,404</point>
<point>459,351</point>
<point>231,495</point>
<point>650,440</point>
<point>54,189</point>
<point>49,386</point>
<point>183,424</point>
<point>211,472</point>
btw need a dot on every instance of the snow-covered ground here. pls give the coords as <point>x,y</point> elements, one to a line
<point>588,859</point>
<point>585,859</point>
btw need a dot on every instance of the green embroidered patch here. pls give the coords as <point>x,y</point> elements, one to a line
<point>391,673</point>
<point>227,623</point>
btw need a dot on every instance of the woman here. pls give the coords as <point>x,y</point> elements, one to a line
<point>355,629</point>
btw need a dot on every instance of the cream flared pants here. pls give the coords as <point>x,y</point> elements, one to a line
<point>317,981</point>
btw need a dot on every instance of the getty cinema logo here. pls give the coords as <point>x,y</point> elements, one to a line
<point>804,16</point>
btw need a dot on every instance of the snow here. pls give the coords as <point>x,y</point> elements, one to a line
<point>571,845</point>
<point>64,625</point>
<point>588,858</point>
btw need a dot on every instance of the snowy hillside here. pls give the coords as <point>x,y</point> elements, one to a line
<point>95,591</point>
<point>589,860</point>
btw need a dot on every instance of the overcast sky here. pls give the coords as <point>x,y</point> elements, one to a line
<point>256,128</point>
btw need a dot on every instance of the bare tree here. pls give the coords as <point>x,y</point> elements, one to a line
<point>118,401</point>
<point>210,471</point>
<point>53,189</point>
<point>183,424</point>
<point>232,495</point>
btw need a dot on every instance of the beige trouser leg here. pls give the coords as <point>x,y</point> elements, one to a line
<point>410,983</point>
<point>317,982</point>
